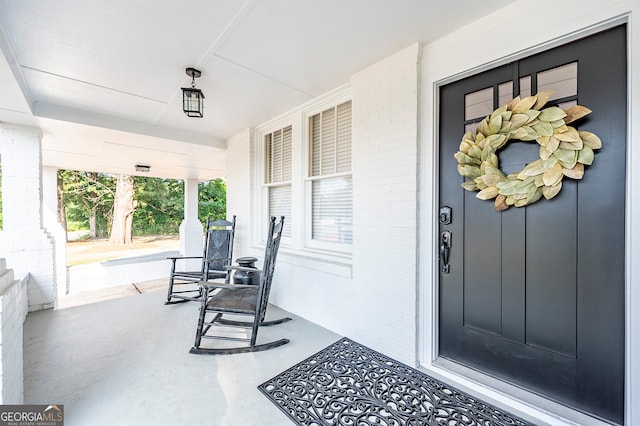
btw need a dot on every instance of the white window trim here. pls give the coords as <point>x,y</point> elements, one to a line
<point>298,118</point>
<point>310,242</point>
<point>307,113</point>
<point>261,195</point>
<point>268,179</point>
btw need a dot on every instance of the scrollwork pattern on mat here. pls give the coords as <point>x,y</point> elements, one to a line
<point>349,384</point>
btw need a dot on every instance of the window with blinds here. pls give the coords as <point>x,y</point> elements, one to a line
<point>330,175</point>
<point>278,174</point>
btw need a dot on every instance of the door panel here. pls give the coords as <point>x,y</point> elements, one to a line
<point>551,308</point>
<point>482,300</point>
<point>535,295</point>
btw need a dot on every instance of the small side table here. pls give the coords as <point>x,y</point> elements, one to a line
<point>247,277</point>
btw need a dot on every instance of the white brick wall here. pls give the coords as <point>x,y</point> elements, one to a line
<point>13,312</point>
<point>239,189</point>
<point>372,297</point>
<point>385,176</point>
<point>27,247</point>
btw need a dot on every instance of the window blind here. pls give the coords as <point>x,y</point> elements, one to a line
<point>280,205</point>
<point>332,210</point>
<point>330,136</point>
<point>278,171</point>
<point>331,195</point>
<point>343,138</point>
<point>278,147</point>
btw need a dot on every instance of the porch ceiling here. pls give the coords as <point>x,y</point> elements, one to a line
<point>102,79</point>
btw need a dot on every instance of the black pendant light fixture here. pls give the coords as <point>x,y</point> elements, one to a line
<point>192,98</point>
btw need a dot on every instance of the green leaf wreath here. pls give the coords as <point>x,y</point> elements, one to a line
<point>564,151</point>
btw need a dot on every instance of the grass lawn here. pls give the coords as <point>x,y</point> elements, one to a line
<point>99,249</point>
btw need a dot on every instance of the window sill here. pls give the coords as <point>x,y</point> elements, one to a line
<point>329,263</point>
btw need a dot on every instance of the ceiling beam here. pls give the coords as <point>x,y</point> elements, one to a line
<point>73,115</point>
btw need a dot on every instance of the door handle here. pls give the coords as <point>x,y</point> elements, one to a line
<point>445,249</point>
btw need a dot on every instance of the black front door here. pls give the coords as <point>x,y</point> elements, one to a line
<point>535,295</point>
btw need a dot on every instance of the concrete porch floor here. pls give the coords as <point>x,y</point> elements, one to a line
<point>126,361</point>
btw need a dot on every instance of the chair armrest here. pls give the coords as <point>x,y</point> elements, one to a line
<point>213,285</point>
<point>184,257</point>
<point>242,268</point>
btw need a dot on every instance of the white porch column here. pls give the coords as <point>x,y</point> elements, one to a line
<point>191,235</point>
<point>25,244</point>
<point>55,228</point>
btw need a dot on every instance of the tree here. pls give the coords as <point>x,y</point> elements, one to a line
<point>212,199</point>
<point>62,211</point>
<point>88,200</point>
<point>123,208</point>
<point>160,206</point>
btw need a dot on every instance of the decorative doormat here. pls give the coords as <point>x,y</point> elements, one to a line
<point>350,384</point>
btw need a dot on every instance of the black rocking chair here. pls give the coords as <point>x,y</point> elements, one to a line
<point>250,300</point>
<point>217,254</point>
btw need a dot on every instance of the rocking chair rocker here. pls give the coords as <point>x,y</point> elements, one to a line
<point>250,300</point>
<point>217,254</point>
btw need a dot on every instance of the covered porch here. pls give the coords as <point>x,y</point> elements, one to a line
<point>126,361</point>
<point>381,287</point>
